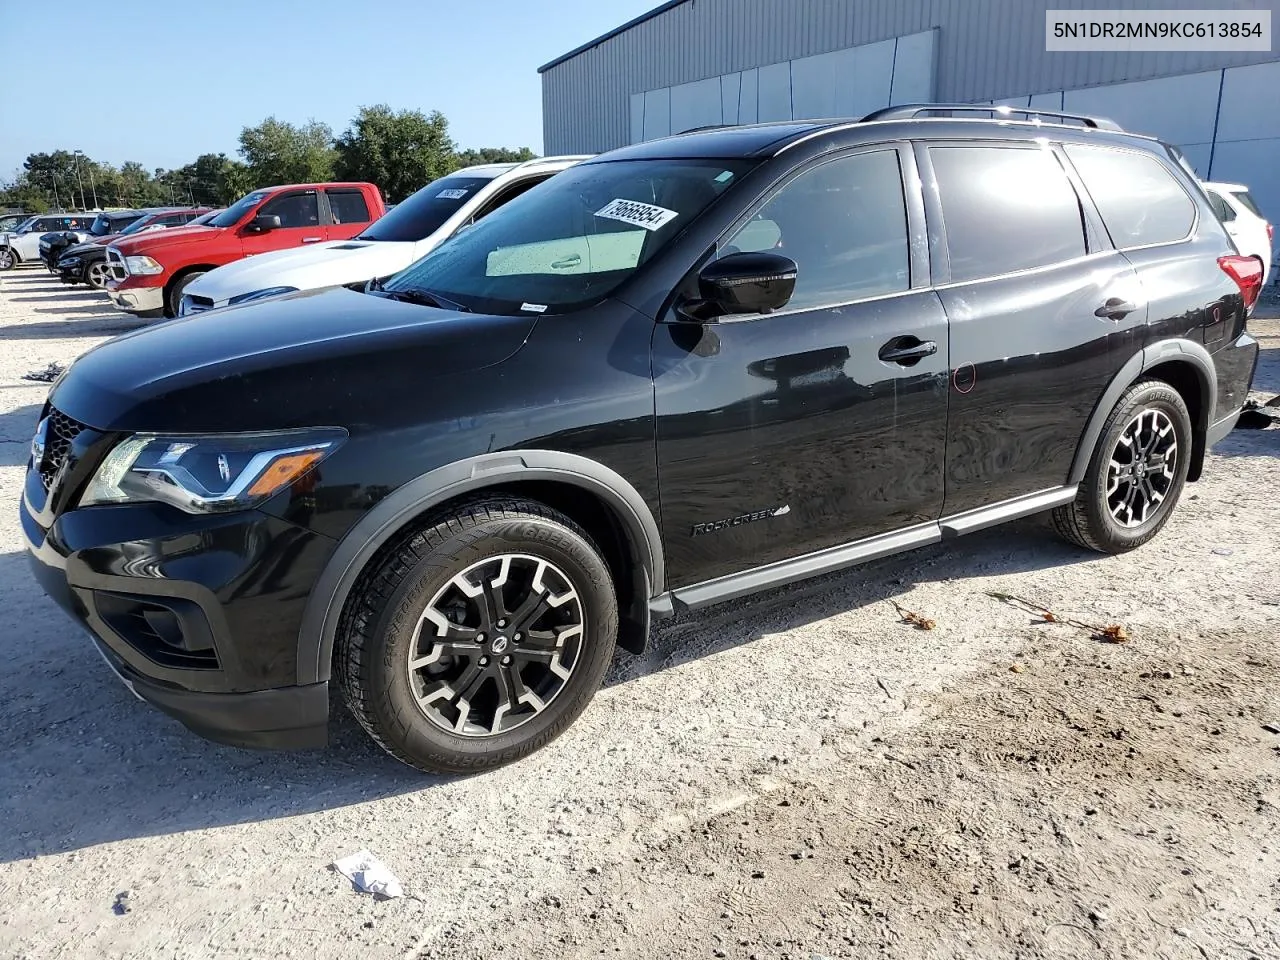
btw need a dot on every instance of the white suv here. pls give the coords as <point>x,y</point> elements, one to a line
<point>22,244</point>
<point>1239,213</point>
<point>388,245</point>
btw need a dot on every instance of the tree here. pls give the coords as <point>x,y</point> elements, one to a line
<point>279,152</point>
<point>400,152</point>
<point>211,179</point>
<point>471,158</point>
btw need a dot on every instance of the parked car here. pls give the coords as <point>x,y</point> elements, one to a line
<point>1239,213</point>
<point>149,273</point>
<point>22,244</point>
<point>105,224</point>
<point>10,221</point>
<point>823,342</point>
<point>417,226</point>
<point>87,262</point>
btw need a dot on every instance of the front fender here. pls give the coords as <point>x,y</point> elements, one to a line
<point>319,628</point>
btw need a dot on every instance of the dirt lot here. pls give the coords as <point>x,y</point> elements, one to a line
<point>800,775</point>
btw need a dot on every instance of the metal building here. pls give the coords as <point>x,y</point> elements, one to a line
<point>690,63</point>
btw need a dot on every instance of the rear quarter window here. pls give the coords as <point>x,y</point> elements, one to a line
<point>1246,199</point>
<point>1006,208</point>
<point>1140,200</point>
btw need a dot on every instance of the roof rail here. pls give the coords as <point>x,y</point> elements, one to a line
<point>909,111</point>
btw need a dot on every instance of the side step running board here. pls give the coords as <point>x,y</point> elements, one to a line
<point>860,551</point>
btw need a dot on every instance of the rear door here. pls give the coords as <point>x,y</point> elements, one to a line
<point>299,213</point>
<point>1153,220</point>
<point>347,213</point>
<point>1043,312</point>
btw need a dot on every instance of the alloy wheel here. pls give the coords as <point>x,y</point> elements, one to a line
<point>97,274</point>
<point>496,645</point>
<point>6,259</point>
<point>1143,468</point>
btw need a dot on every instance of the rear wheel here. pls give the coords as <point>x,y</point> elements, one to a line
<point>1136,474</point>
<point>480,638</point>
<point>175,295</point>
<point>97,274</point>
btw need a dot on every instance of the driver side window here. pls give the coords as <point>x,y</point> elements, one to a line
<point>294,209</point>
<point>844,223</point>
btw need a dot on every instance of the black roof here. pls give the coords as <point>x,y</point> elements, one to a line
<point>662,8</point>
<point>768,139</point>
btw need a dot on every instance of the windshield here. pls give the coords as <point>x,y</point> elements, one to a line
<point>138,224</point>
<point>573,240</point>
<point>231,216</point>
<point>423,213</point>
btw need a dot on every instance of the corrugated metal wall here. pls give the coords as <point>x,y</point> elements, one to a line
<point>987,49</point>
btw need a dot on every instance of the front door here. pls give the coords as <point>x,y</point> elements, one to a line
<point>822,423</point>
<point>299,213</point>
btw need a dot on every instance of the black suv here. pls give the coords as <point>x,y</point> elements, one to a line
<point>673,375</point>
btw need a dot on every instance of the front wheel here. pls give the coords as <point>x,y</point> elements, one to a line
<point>1136,474</point>
<point>479,638</point>
<point>97,274</point>
<point>8,259</point>
<point>175,295</point>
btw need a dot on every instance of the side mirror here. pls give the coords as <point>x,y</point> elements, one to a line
<point>262,223</point>
<point>742,283</point>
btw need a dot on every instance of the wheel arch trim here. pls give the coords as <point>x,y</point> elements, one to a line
<point>1149,357</point>
<point>318,632</point>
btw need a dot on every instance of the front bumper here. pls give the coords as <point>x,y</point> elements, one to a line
<point>199,616</point>
<point>140,301</point>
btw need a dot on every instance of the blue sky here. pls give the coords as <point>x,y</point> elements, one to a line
<point>171,79</point>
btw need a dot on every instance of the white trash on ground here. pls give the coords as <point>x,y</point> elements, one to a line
<point>369,874</point>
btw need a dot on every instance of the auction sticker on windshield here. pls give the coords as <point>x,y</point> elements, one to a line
<point>637,214</point>
<point>451,194</point>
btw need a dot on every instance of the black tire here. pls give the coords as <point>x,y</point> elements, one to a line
<point>1098,519</point>
<point>175,294</point>
<point>8,258</point>
<point>96,274</point>
<point>378,637</point>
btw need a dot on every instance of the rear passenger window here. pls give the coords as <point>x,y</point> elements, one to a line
<point>1006,209</point>
<point>348,206</point>
<point>1139,199</point>
<point>844,223</point>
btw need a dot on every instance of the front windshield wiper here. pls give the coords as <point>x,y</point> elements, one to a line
<point>418,295</point>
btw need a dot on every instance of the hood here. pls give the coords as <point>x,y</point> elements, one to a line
<point>325,358</point>
<point>79,249</point>
<point>306,268</point>
<point>141,243</point>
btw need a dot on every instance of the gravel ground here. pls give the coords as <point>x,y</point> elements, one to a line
<point>799,775</point>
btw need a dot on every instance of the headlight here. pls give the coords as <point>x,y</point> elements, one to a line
<point>209,474</point>
<point>67,263</point>
<point>142,266</point>
<point>261,294</point>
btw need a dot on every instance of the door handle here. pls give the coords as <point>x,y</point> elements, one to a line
<point>1116,308</point>
<point>312,239</point>
<point>908,350</point>
<point>570,261</point>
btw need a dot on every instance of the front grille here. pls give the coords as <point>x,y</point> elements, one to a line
<point>116,265</point>
<point>60,431</point>
<point>194,303</point>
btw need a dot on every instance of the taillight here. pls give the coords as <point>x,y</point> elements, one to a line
<point>1247,273</point>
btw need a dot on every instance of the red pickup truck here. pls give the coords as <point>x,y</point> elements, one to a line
<point>148,272</point>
